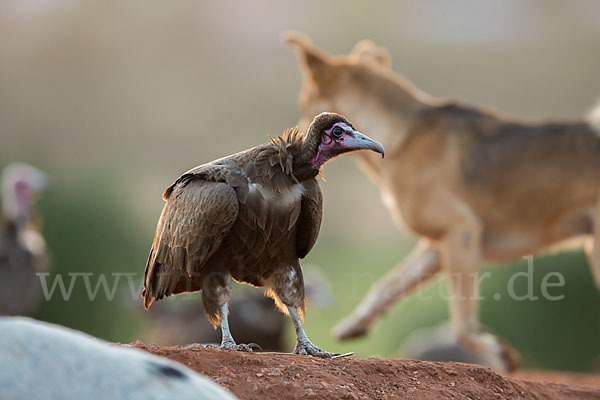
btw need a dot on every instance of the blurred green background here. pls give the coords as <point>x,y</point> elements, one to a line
<point>115,99</point>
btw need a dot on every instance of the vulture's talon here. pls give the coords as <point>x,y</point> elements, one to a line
<point>300,351</point>
<point>254,347</point>
<point>239,347</point>
<point>312,350</point>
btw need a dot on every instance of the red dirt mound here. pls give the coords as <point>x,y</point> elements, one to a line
<point>275,376</point>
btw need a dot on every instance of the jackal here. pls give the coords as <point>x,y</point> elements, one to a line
<point>471,184</point>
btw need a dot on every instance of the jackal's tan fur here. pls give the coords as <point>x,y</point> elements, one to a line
<point>473,185</point>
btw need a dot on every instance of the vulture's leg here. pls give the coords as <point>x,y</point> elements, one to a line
<point>286,287</point>
<point>215,297</point>
<point>303,345</point>
<point>227,341</point>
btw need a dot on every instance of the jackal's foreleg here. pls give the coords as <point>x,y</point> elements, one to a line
<point>422,263</point>
<point>461,252</point>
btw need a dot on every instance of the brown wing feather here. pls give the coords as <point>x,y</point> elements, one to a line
<point>309,222</point>
<point>195,220</point>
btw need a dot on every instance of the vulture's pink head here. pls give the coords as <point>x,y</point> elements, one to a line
<point>20,185</point>
<point>333,135</point>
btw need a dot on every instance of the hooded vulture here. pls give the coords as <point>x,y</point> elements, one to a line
<point>249,216</point>
<point>22,247</point>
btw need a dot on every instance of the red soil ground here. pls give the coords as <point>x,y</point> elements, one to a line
<point>275,376</point>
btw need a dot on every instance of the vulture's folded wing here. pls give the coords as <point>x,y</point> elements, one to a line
<point>196,218</point>
<point>309,221</point>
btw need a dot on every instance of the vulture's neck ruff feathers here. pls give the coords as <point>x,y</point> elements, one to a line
<point>291,148</point>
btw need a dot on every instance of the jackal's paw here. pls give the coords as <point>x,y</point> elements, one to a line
<point>509,356</point>
<point>240,347</point>
<point>493,352</point>
<point>309,349</point>
<point>349,328</point>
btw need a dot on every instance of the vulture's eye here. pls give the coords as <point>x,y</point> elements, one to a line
<point>337,132</point>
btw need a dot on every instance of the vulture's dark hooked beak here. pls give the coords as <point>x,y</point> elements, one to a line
<point>358,141</point>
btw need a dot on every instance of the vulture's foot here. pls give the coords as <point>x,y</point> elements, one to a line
<point>240,347</point>
<point>309,349</point>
